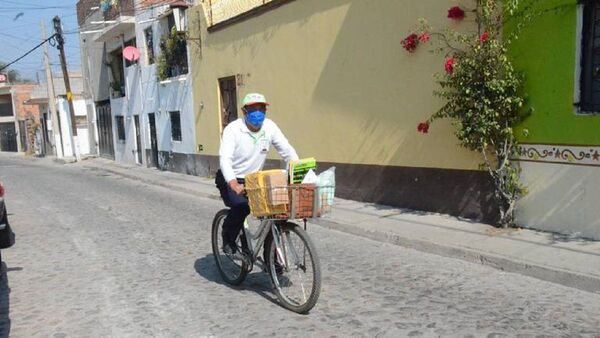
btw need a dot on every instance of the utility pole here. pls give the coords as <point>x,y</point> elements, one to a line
<point>60,44</point>
<point>51,95</point>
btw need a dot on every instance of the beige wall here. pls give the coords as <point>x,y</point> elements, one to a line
<point>342,87</point>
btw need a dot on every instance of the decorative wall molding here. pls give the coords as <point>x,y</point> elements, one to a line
<point>561,154</point>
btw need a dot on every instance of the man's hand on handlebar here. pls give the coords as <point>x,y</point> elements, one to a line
<point>236,187</point>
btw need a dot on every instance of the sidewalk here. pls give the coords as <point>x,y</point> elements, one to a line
<point>551,257</point>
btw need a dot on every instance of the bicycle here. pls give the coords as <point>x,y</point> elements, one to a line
<point>289,252</point>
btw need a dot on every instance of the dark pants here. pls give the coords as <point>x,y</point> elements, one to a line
<point>238,209</point>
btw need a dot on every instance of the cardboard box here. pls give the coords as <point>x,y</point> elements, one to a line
<point>277,185</point>
<point>260,199</point>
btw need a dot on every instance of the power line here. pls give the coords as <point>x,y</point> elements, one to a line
<point>26,4</point>
<point>29,52</point>
<point>19,37</point>
<point>33,8</point>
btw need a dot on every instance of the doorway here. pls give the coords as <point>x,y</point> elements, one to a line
<point>228,92</point>
<point>153,140</point>
<point>138,139</point>
<point>105,133</point>
<point>8,137</point>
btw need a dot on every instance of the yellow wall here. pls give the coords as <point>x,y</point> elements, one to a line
<point>342,87</point>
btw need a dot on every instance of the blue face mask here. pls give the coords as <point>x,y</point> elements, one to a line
<point>255,118</point>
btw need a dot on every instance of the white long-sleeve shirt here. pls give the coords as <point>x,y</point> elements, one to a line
<point>243,152</point>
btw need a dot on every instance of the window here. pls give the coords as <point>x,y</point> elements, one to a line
<point>173,60</point>
<point>175,126</point>
<point>149,45</point>
<point>170,22</point>
<point>117,84</point>
<point>6,109</point>
<point>120,128</point>
<point>590,58</point>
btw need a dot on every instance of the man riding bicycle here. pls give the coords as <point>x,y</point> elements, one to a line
<point>244,147</point>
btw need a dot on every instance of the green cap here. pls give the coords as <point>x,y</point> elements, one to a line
<point>254,98</point>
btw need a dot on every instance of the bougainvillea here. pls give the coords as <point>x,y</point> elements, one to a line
<point>482,95</point>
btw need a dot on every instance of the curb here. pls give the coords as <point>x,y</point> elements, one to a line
<point>546,273</point>
<point>155,183</point>
<point>549,274</point>
<point>65,160</point>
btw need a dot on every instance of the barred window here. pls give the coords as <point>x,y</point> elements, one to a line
<point>175,126</point>
<point>590,58</point>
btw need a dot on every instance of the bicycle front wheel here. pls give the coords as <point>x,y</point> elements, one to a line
<point>231,267</point>
<point>294,268</point>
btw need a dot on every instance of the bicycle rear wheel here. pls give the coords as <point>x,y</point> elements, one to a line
<point>232,268</point>
<point>294,268</point>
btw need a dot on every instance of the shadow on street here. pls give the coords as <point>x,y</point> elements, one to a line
<point>4,302</point>
<point>258,282</point>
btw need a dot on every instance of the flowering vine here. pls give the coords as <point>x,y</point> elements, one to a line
<point>482,94</point>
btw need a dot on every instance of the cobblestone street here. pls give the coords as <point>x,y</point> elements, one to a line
<point>98,255</point>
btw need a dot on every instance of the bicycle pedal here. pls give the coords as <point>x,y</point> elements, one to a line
<point>248,263</point>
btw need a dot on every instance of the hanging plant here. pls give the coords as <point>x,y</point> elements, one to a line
<point>172,60</point>
<point>105,5</point>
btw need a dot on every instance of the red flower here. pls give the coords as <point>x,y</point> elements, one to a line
<point>424,37</point>
<point>411,42</point>
<point>484,37</point>
<point>423,127</point>
<point>449,66</point>
<point>456,13</point>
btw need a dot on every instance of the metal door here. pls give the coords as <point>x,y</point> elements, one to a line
<point>8,137</point>
<point>138,139</point>
<point>153,140</point>
<point>105,133</point>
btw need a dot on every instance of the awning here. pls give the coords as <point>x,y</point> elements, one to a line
<point>124,25</point>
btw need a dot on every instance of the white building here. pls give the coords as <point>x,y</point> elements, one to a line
<point>152,119</point>
<point>60,143</point>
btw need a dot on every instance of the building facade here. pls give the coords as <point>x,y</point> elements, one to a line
<point>343,90</point>
<point>18,121</point>
<point>560,152</point>
<point>145,103</point>
<point>55,136</point>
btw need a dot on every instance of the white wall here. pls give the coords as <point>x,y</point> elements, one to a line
<point>65,126</point>
<point>128,106</point>
<point>161,98</point>
<point>562,198</point>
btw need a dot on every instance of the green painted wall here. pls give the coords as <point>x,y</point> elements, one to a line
<point>546,53</point>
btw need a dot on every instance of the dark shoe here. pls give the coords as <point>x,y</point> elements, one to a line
<point>229,249</point>
<point>278,269</point>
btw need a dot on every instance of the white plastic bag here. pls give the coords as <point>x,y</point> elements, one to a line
<point>326,186</point>
<point>310,178</point>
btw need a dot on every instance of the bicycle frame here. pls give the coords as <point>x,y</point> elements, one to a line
<point>266,226</point>
<point>259,238</point>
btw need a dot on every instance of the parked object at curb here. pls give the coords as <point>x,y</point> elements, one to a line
<point>7,236</point>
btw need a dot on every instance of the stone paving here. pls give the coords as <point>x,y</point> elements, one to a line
<point>102,256</point>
